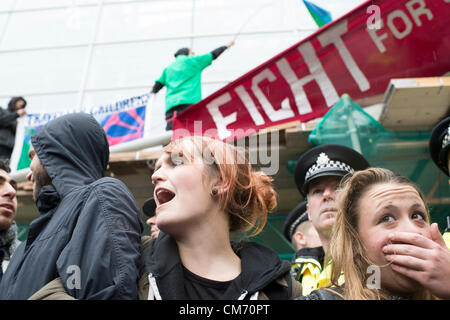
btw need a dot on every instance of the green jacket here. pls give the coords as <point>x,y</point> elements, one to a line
<point>182,79</point>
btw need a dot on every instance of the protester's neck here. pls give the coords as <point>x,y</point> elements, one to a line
<point>206,252</point>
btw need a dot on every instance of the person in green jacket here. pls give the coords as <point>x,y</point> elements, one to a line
<point>182,80</point>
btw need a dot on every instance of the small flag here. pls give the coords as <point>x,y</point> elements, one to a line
<point>320,16</point>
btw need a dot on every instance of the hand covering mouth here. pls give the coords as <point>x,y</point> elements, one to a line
<point>164,195</point>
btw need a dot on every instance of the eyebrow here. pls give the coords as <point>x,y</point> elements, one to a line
<point>418,206</point>
<point>413,207</point>
<point>380,208</point>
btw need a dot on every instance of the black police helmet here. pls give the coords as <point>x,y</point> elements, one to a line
<point>439,144</point>
<point>297,216</point>
<point>149,207</point>
<point>326,160</point>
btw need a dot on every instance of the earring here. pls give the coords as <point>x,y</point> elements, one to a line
<point>215,191</point>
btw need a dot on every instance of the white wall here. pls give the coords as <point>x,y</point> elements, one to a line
<point>63,54</point>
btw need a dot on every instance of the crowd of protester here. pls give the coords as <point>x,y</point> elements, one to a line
<point>361,233</point>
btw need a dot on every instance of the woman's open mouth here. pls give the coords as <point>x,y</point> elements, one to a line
<point>163,196</point>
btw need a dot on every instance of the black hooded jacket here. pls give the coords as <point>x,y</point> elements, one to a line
<point>88,232</point>
<point>263,273</point>
<point>8,124</point>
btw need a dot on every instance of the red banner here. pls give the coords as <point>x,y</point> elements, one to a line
<point>357,54</point>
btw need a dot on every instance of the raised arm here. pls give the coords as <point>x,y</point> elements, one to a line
<point>217,52</point>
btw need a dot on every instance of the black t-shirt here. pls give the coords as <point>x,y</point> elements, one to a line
<point>198,288</point>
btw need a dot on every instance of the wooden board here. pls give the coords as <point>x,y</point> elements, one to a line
<point>416,103</point>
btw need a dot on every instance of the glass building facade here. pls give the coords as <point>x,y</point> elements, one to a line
<point>71,54</point>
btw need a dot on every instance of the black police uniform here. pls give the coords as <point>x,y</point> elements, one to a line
<point>311,256</point>
<point>439,146</point>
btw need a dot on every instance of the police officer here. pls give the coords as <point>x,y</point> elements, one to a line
<point>306,242</point>
<point>318,174</point>
<point>149,208</point>
<point>298,229</point>
<point>439,146</point>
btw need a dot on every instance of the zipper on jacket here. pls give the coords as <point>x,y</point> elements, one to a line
<point>243,295</point>
<point>252,297</point>
<point>153,291</point>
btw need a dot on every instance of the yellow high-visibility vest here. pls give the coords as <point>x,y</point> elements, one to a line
<point>311,275</point>
<point>308,272</point>
<point>446,237</point>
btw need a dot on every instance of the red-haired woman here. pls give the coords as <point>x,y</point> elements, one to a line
<point>205,189</point>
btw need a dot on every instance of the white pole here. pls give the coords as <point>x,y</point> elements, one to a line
<point>89,56</point>
<point>143,143</point>
<point>136,145</point>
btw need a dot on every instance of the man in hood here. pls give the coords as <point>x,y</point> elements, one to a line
<point>88,231</point>
<point>8,123</point>
<point>182,78</point>
<point>8,207</point>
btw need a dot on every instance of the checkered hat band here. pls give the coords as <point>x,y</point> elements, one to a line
<point>295,224</point>
<point>333,165</point>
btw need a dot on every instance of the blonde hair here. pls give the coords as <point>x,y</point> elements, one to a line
<point>346,250</point>
<point>248,196</point>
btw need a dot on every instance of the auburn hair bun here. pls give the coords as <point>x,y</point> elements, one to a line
<point>267,196</point>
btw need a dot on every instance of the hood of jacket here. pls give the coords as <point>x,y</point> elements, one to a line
<point>260,265</point>
<point>73,149</point>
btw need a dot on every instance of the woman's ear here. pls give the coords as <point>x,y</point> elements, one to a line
<point>218,188</point>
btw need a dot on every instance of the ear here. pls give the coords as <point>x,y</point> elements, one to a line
<point>220,187</point>
<point>299,239</point>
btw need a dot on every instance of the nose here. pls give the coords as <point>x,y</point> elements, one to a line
<point>9,191</point>
<point>329,193</point>
<point>158,176</point>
